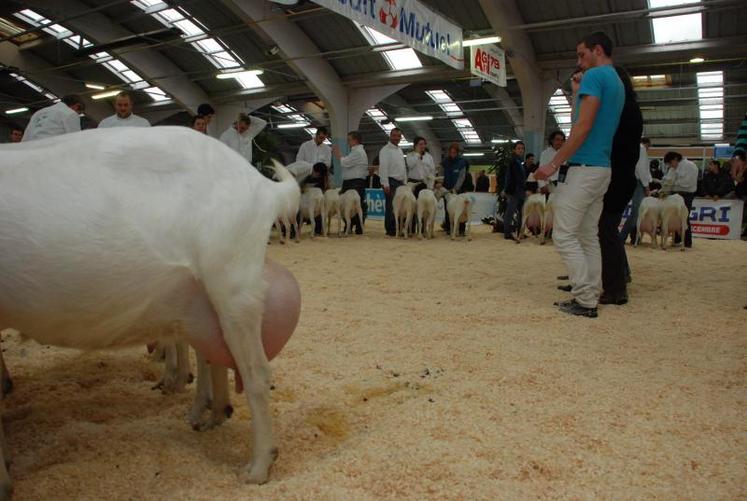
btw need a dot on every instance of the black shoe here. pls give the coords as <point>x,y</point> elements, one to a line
<point>628,279</point>
<point>616,300</point>
<point>562,277</point>
<point>565,288</point>
<point>509,237</point>
<point>580,311</point>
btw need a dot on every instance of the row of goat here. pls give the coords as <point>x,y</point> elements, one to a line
<point>327,205</point>
<point>406,207</point>
<point>668,214</point>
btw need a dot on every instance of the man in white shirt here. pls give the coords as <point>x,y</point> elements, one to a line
<point>55,120</point>
<point>314,150</point>
<point>239,136</point>
<point>124,117</point>
<point>643,179</point>
<point>16,135</point>
<point>354,172</point>
<point>207,111</point>
<point>555,141</point>
<point>681,178</point>
<point>393,174</point>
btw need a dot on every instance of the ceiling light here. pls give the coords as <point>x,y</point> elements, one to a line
<point>697,60</point>
<point>95,86</point>
<point>104,95</point>
<point>499,141</point>
<point>16,110</point>
<point>414,119</point>
<point>238,74</point>
<point>481,41</point>
<point>292,125</point>
<point>473,154</point>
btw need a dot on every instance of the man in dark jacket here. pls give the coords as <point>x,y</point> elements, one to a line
<point>482,185</point>
<point>717,183</point>
<point>625,152</point>
<point>515,189</point>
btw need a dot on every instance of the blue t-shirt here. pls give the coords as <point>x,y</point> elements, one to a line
<point>603,83</point>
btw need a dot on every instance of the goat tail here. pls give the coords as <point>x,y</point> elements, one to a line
<point>287,189</point>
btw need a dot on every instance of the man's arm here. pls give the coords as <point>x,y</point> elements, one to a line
<point>384,169</point>
<point>587,114</point>
<point>255,127</point>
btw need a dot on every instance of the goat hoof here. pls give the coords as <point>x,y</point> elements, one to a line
<point>8,385</point>
<point>228,410</point>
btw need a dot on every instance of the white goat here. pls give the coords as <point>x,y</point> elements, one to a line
<point>287,219</point>
<point>649,214</point>
<point>533,216</point>
<point>332,209</point>
<point>459,208</point>
<point>403,207</point>
<point>127,242</point>
<point>350,205</point>
<point>674,215</point>
<point>426,206</point>
<point>312,205</point>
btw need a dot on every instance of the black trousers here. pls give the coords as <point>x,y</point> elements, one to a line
<point>358,185</point>
<point>689,197</point>
<point>613,255</point>
<point>389,224</point>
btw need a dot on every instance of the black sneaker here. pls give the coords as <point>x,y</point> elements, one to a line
<point>565,288</point>
<point>578,310</point>
<point>562,277</point>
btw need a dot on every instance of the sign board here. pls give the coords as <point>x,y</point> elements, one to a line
<point>408,21</point>
<point>723,151</point>
<point>710,219</point>
<point>489,63</point>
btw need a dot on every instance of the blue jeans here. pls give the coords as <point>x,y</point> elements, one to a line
<point>515,205</point>
<point>632,221</point>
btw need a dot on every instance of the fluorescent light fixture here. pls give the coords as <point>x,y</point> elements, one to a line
<point>16,110</point>
<point>95,86</point>
<point>106,94</point>
<point>481,41</point>
<point>414,119</point>
<point>499,141</point>
<point>697,60</point>
<point>292,125</point>
<point>473,154</point>
<point>238,74</point>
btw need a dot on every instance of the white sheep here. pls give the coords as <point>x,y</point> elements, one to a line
<point>125,242</point>
<point>649,215</point>
<point>332,209</point>
<point>350,205</point>
<point>459,208</point>
<point>426,213</point>
<point>673,217</point>
<point>312,205</point>
<point>404,206</point>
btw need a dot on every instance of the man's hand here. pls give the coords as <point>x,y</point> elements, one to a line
<point>646,192</point>
<point>386,189</point>
<point>544,172</point>
<point>336,151</point>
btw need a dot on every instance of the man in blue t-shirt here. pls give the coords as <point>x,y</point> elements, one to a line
<point>599,99</point>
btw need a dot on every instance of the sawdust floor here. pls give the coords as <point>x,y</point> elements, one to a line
<point>434,370</point>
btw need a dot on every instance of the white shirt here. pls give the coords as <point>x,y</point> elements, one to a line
<point>300,170</point>
<point>547,156</point>
<point>684,178</point>
<point>314,154</point>
<point>51,121</point>
<point>642,172</point>
<point>242,143</point>
<point>420,168</point>
<point>131,121</point>
<point>392,164</point>
<point>355,164</point>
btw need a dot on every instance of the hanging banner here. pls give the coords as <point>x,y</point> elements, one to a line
<point>409,22</point>
<point>489,63</point>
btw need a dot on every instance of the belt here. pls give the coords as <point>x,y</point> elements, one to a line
<point>574,164</point>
